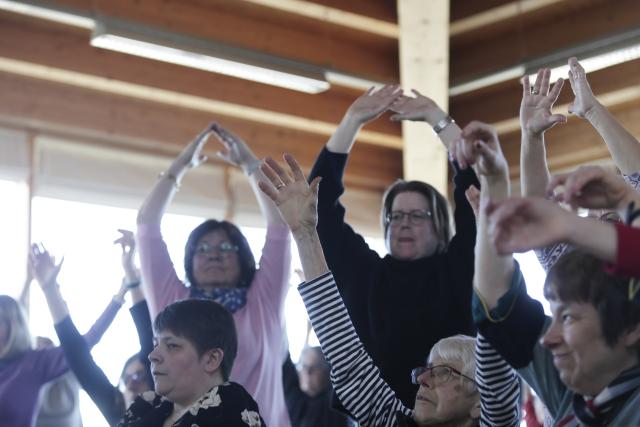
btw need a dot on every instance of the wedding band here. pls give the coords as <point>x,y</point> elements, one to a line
<point>279,186</point>
<point>534,92</point>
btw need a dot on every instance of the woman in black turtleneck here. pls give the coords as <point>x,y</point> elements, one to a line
<point>402,304</point>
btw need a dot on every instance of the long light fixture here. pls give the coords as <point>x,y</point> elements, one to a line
<point>135,39</point>
<point>43,10</point>
<point>595,55</point>
<point>598,62</point>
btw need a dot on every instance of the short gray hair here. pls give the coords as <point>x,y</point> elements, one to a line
<point>460,348</point>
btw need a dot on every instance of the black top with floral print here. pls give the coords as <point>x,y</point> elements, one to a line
<point>227,405</point>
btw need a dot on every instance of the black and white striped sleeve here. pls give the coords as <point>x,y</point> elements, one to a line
<point>355,378</point>
<point>499,387</point>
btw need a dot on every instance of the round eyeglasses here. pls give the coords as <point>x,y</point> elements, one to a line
<point>416,217</point>
<point>437,374</point>
<point>223,248</point>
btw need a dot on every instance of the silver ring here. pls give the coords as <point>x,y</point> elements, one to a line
<point>534,92</point>
<point>279,186</point>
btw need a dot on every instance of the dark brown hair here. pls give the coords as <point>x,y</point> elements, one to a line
<point>580,277</point>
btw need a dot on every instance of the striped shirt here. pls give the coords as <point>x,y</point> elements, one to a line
<point>357,380</point>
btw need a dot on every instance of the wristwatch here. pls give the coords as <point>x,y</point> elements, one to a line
<point>439,127</point>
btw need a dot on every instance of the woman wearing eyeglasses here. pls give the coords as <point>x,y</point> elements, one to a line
<point>426,277</point>
<point>448,394</point>
<point>219,265</point>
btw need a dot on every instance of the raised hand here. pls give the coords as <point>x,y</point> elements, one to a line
<point>478,145</point>
<point>128,243</point>
<point>418,108</point>
<point>295,199</point>
<point>236,152</point>
<point>592,187</point>
<point>584,99</point>
<point>536,105</point>
<point>373,103</point>
<point>44,266</point>
<point>192,156</point>
<point>522,224</point>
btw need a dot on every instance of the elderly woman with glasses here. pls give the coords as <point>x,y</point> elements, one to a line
<point>426,277</point>
<point>448,394</point>
<point>219,266</point>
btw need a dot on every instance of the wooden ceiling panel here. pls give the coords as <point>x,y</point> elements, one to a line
<point>54,46</point>
<point>533,39</point>
<point>385,10</point>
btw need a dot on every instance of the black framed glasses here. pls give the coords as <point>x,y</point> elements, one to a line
<point>439,374</point>
<point>223,248</point>
<point>416,217</point>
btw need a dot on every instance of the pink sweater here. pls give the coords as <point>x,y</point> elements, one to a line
<point>260,323</point>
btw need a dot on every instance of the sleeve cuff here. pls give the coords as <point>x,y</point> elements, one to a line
<point>627,259</point>
<point>505,303</point>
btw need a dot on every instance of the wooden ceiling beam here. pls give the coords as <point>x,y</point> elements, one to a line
<point>118,120</point>
<point>499,14</point>
<point>532,37</point>
<point>333,16</point>
<point>54,53</point>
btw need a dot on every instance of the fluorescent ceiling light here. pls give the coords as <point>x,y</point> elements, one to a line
<point>488,80</point>
<point>350,81</point>
<point>50,13</point>
<point>209,56</point>
<point>597,62</point>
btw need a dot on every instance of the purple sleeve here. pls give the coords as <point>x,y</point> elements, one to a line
<point>94,335</point>
<point>271,282</point>
<point>48,364</point>
<point>159,279</point>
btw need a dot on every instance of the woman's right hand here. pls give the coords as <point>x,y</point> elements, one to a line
<point>44,266</point>
<point>295,199</point>
<point>192,156</point>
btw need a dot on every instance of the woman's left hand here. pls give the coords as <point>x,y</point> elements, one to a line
<point>295,199</point>
<point>236,152</point>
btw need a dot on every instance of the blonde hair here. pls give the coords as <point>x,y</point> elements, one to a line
<point>18,335</point>
<point>460,348</point>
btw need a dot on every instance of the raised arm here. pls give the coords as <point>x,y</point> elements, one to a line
<point>368,107</point>
<point>535,119</point>
<point>156,203</point>
<point>624,147</point>
<point>237,153</point>
<point>523,224</point>
<point>76,347</point>
<point>356,379</point>
<point>479,145</point>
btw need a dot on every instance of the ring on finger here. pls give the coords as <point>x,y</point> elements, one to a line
<point>279,186</point>
<point>535,91</point>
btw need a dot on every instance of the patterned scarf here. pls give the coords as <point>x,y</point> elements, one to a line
<point>233,299</point>
<point>598,411</point>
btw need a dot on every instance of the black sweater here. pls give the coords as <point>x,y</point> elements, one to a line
<point>107,398</point>
<point>400,309</point>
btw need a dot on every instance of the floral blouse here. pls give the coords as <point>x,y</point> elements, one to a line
<point>227,405</point>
